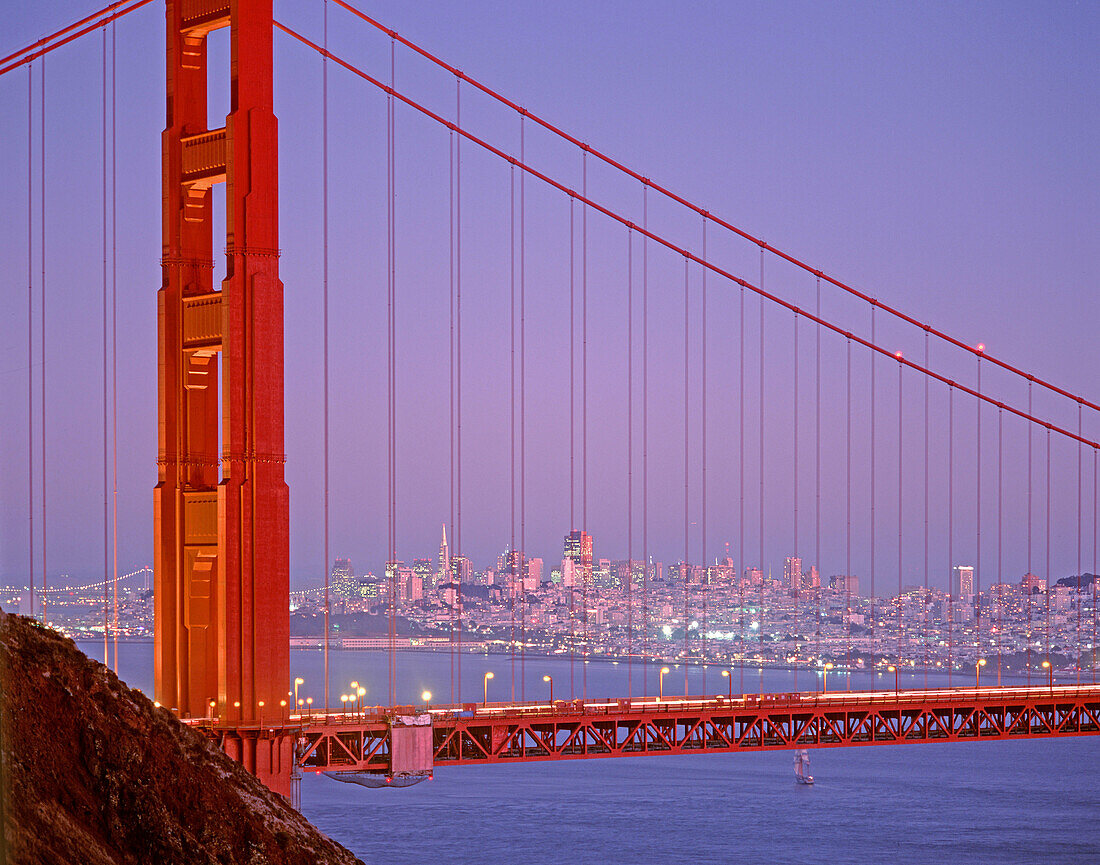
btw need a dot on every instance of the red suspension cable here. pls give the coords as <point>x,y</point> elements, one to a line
<point>671,246</point>
<point>44,46</point>
<point>649,183</point>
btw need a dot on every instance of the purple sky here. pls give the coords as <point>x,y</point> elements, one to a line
<point>939,157</point>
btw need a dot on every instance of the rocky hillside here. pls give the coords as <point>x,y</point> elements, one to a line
<point>93,773</point>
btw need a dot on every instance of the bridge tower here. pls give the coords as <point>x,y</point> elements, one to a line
<point>221,506</point>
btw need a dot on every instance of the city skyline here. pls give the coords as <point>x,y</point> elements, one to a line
<point>827,217</point>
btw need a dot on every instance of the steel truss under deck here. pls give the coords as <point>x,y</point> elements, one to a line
<point>565,730</point>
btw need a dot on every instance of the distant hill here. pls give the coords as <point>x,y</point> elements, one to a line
<point>1085,581</point>
<point>91,773</point>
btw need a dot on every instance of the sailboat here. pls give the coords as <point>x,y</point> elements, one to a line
<point>802,767</point>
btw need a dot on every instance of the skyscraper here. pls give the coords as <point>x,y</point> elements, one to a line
<point>962,582</point>
<point>444,573</point>
<point>578,551</point>
<point>792,575</point>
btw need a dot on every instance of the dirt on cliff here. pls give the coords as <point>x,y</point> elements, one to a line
<point>93,773</point>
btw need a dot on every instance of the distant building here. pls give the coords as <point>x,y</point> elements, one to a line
<point>847,583</point>
<point>444,572</point>
<point>962,582</point>
<point>1033,585</point>
<point>532,579</point>
<point>792,575</point>
<point>578,551</point>
<point>343,579</point>
<point>460,569</point>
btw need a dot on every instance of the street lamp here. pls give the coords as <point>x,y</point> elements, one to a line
<point>893,669</point>
<point>212,704</point>
<point>825,681</point>
<point>298,680</point>
<point>485,689</point>
<point>359,692</point>
<point>978,672</point>
<point>550,679</point>
<point>309,706</point>
<point>729,679</point>
<point>425,696</point>
<point>661,684</point>
<point>261,713</point>
<point>1050,675</point>
<point>344,699</point>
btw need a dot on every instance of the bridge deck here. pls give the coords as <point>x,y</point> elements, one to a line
<point>576,729</point>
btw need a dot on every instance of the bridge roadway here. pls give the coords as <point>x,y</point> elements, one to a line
<point>410,740</point>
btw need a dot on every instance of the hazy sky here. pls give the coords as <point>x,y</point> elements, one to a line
<point>939,156</point>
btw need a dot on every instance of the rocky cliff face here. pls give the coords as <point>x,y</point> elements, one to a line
<point>92,773</point>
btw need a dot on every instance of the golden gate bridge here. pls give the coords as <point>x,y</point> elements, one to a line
<point>222,507</point>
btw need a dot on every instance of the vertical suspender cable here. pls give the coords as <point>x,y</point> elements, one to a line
<point>686,570</point>
<point>703,454</point>
<point>457,577</point>
<point>630,461</point>
<point>587,570</point>
<point>572,446</point>
<point>764,570</point>
<point>872,535</point>
<point>114,342</point>
<point>523,408</point>
<point>390,337</point>
<point>901,499</point>
<point>514,554</point>
<point>796,589</point>
<point>1077,599</point>
<point>925,598</point>
<point>30,336</point>
<point>645,442</point>
<point>393,344</point>
<point>630,458</point>
<point>324,314</point>
<point>1000,537</point>
<point>1095,556</point>
<point>741,569</point>
<point>817,474</point>
<point>978,517</point>
<point>1048,575</point>
<point>42,338</point>
<point>106,468</point>
<point>848,517</point>
<point>950,530</point>
<point>1029,513</point>
<point>445,565</point>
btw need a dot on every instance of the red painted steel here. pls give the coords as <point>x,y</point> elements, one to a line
<point>222,519</point>
<point>575,729</point>
<point>49,43</point>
